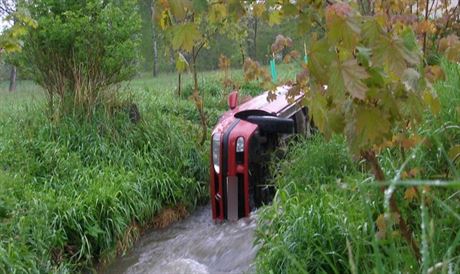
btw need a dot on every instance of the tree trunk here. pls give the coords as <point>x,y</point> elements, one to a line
<point>199,100</point>
<point>171,59</point>
<point>256,22</point>
<point>179,82</point>
<point>13,75</point>
<point>154,40</point>
<point>251,39</point>
<point>406,231</point>
<point>427,12</point>
<point>155,57</point>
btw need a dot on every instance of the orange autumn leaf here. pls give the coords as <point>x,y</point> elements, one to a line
<point>410,194</point>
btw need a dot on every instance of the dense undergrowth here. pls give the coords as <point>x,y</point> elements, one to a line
<point>75,192</point>
<point>330,216</point>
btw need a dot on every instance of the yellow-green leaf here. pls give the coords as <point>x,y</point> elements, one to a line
<point>347,77</point>
<point>454,152</point>
<point>391,53</point>
<point>274,18</point>
<point>185,36</point>
<point>181,63</point>
<point>368,127</point>
<point>432,101</point>
<point>217,13</point>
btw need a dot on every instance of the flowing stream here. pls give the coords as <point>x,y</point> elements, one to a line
<point>193,245</point>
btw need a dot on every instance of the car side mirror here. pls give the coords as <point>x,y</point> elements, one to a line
<point>233,99</point>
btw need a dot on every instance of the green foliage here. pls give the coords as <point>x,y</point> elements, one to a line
<point>79,51</point>
<point>74,193</point>
<point>329,214</point>
<point>437,135</point>
<point>10,39</point>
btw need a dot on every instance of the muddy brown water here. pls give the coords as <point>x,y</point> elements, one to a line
<point>193,245</point>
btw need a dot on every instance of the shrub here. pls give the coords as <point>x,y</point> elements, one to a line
<point>81,50</point>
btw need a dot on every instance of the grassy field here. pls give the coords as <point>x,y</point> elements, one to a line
<point>74,194</point>
<point>329,216</point>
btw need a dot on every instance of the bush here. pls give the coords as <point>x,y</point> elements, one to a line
<point>74,193</point>
<point>81,49</point>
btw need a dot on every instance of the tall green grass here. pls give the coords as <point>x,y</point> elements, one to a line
<point>330,216</point>
<point>74,193</point>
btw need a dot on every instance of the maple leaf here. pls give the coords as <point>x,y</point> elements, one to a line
<point>274,18</point>
<point>179,8</point>
<point>434,73</point>
<point>368,126</point>
<point>341,29</point>
<point>450,46</point>
<point>410,194</point>
<point>281,42</point>
<point>348,76</point>
<point>185,36</point>
<point>318,109</point>
<point>320,59</point>
<point>392,53</point>
<point>165,20</point>
<point>381,226</point>
<point>217,13</point>
<point>258,9</point>
<point>371,31</point>
<point>432,101</point>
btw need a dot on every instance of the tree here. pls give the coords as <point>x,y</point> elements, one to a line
<point>154,40</point>
<point>80,51</point>
<point>189,26</point>
<point>17,21</point>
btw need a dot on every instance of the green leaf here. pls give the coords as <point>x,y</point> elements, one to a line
<point>342,31</point>
<point>321,57</point>
<point>181,63</point>
<point>376,78</point>
<point>179,8</point>
<point>318,108</point>
<point>391,53</point>
<point>432,101</point>
<point>363,55</point>
<point>217,13</point>
<point>368,127</point>
<point>347,77</point>
<point>275,18</point>
<point>185,36</point>
<point>409,38</point>
<point>200,5</point>
<point>371,32</point>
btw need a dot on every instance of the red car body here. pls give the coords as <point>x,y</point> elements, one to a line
<point>239,140</point>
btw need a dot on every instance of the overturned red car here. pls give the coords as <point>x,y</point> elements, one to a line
<point>241,145</point>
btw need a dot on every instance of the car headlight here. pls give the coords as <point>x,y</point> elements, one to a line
<point>240,144</point>
<point>216,151</point>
